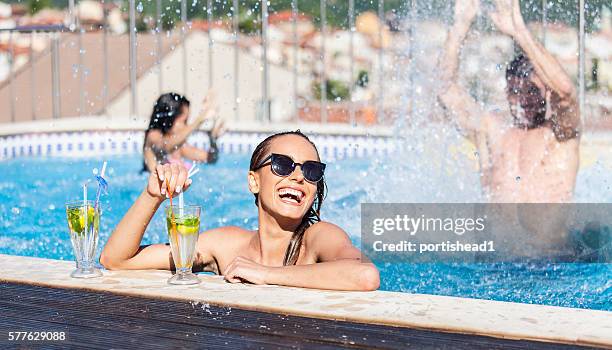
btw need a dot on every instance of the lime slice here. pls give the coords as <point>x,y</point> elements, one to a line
<point>90,216</point>
<point>187,230</point>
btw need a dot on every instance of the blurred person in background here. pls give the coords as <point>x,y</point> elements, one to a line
<point>528,153</point>
<point>165,139</point>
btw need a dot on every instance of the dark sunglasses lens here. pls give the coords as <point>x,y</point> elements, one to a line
<point>282,165</point>
<point>313,171</point>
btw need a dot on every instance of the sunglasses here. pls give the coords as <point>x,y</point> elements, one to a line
<point>284,166</point>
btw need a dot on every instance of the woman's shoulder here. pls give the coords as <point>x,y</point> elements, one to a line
<point>154,136</point>
<point>325,229</point>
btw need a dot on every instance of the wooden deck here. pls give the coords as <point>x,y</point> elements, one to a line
<point>102,320</point>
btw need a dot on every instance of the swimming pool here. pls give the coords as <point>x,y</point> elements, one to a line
<point>32,223</point>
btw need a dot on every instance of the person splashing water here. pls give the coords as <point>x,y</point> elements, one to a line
<point>166,137</point>
<point>530,153</point>
<point>292,246</point>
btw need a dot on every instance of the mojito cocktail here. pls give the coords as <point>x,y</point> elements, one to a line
<point>84,226</point>
<point>183,226</point>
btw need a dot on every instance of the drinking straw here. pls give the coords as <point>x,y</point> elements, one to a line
<point>102,185</point>
<point>85,211</point>
<point>194,170</point>
<point>172,219</point>
<point>181,203</point>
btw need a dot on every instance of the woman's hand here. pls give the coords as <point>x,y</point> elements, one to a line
<point>245,270</point>
<point>218,129</point>
<point>507,18</point>
<point>167,179</point>
<point>466,11</point>
<point>209,107</point>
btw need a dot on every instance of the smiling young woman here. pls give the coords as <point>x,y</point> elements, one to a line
<point>291,247</point>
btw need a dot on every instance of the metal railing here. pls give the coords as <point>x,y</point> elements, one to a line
<point>54,33</point>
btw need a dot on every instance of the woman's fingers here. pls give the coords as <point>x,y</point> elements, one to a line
<point>167,179</point>
<point>234,277</point>
<point>187,184</point>
<point>218,128</point>
<point>172,179</point>
<point>159,174</point>
<point>181,179</point>
<point>232,270</point>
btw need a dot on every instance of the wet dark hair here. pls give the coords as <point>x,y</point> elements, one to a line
<point>167,107</point>
<point>312,215</point>
<point>520,67</point>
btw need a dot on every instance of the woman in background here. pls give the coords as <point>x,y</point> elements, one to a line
<point>166,137</point>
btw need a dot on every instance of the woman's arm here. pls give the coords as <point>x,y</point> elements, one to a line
<point>342,274</point>
<point>123,250</point>
<point>339,266</point>
<point>173,141</point>
<point>149,159</point>
<point>194,154</point>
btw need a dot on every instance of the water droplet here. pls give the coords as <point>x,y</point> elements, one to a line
<point>518,178</point>
<point>15,210</point>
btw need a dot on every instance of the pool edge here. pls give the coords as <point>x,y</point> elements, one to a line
<point>416,311</point>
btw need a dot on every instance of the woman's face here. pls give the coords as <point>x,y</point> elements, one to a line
<point>288,197</point>
<point>181,120</point>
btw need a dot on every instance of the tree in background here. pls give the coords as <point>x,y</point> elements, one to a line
<point>37,5</point>
<point>337,10</point>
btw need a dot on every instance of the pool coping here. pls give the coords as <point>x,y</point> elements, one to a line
<point>418,311</point>
<point>115,136</point>
<point>126,123</point>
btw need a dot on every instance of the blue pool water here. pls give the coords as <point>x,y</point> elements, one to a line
<point>33,223</point>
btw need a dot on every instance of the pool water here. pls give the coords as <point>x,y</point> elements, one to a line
<point>33,223</point>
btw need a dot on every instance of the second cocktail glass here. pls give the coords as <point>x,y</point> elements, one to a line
<point>183,226</point>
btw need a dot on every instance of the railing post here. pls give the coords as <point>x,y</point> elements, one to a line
<point>235,23</point>
<point>132,21</point>
<point>294,17</point>
<point>81,77</point>
<point>264,61</point>
<point>55,76</point>
<point>411,33</point>
<point>351,24</point>
<point>105,55</point>
<point>184,42</point>
<point>581,67</point>
<point>71,15</point>
<point>158,41</point>
<point>323,86</point>
<point>11,53</point>
<point>32,77</point>
<point>381,94</point>
<point>209,10</point>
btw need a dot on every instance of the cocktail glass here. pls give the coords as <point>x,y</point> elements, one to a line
<point>183,229</point>
<point>84,225</point>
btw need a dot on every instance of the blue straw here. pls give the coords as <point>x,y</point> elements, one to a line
<point>102,185</point>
